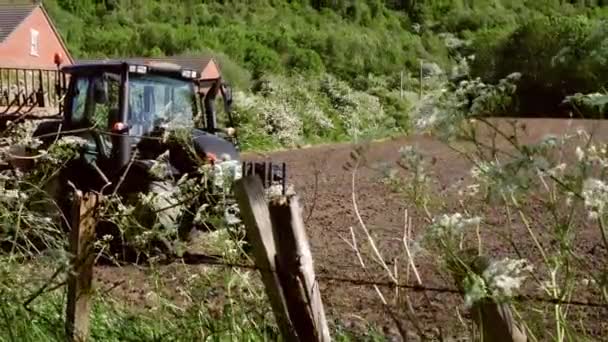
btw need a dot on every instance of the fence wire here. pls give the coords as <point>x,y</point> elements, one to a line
<point>200,259</point>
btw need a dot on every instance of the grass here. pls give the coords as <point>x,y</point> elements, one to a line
<point>180,303</point>
<point>241,315</point>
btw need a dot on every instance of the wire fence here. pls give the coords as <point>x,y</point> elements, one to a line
<point>200,259</point>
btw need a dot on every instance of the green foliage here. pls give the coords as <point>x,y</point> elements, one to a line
<point>259,36</point>
<point>559,49</point>
<point>197,317</point>
<point>596,103</point>
<point>281,112</point>
<point>556,55</point>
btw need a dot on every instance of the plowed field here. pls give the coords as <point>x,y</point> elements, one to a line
<point>325,185</point>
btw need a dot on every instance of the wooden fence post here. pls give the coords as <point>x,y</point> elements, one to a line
<point>296,270</point>
<point>496,323</point>
<point>494,320</point>
<point>254,210</point>
<point>80,279</point>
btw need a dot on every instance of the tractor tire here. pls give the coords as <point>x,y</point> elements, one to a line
<point>166,208</point>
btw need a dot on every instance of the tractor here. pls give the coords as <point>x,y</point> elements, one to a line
<point>121,110</point>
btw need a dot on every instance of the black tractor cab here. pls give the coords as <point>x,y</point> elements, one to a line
<point>121,107</point>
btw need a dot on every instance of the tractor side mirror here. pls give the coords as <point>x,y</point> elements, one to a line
<point>101,90</point>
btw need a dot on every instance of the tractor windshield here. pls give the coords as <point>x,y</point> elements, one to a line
<point>160,101</point>
<point>155,101</point>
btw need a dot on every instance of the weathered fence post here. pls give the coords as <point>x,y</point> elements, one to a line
<point>283,255</point>
<point>254,210</point>
<point>296,270</point>
<point>494,319</point>
<point>83,221</point>
<point>496,323</point>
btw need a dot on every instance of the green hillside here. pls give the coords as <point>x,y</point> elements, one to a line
<point>314,70</point>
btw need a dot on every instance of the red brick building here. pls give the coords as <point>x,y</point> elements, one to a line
<point>28,38</point>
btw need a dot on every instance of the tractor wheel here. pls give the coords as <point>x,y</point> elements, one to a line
<point>169,212</point>
<point>166,208</point>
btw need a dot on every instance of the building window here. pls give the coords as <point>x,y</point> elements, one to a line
<point>34,42</point>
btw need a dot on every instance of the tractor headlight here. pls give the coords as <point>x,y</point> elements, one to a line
<point>140,69</point>
<point>188,73</point>
<point>226,172</point>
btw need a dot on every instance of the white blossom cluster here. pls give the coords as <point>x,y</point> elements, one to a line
<point>499,281</point>
<point>594,101</point>
<point>21,134</point>
<point>290,109</point>
<point>358,112</point>
<point>451,41</point>
<point>593,154</point>
<point>595,194</point>
<point>505,276</point>
<point>448,227</point>
<point>414,160</point>
<point>443,110</point>
<point>12,196</point>
<point>488,175</point>
<point>275,112</point>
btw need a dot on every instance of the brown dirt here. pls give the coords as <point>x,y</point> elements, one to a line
<point>323,181</point>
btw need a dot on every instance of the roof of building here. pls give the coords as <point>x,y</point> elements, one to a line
<point>116,67</point>
<point>197,63</point>
<point>11,15</point>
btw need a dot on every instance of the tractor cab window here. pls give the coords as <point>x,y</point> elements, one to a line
<point>159,102</point>
<point>95,104</point>
<point>95,98</point>
<point>81,87</point>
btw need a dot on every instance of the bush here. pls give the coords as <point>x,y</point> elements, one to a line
<point>557,56</point>
<point>301,60</point>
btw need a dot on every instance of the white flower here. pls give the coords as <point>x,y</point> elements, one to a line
<point>595,194</point>
<point>12,196</point>
<point>594,154</point>
<point>500,280</point>
<point>580,154</point>
<point>447,226</point>
<point>505,276</point>
<point>470,190</point>
<point>72,141</point>
<point>554,171</point>
<point>483,171</point>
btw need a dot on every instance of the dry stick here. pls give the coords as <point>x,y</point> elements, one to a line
<point>407,235</point>
<point>43,288</point>
<point>314,196</point>
<point>79,283</point>
<point>377,254</point>
<point>396,270</point>
<point>296,270</point>
<point>407,249</point>
<point>371,240</point>
<point>254,210</point>
<point>385,305</point>
<point>124,174</point>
